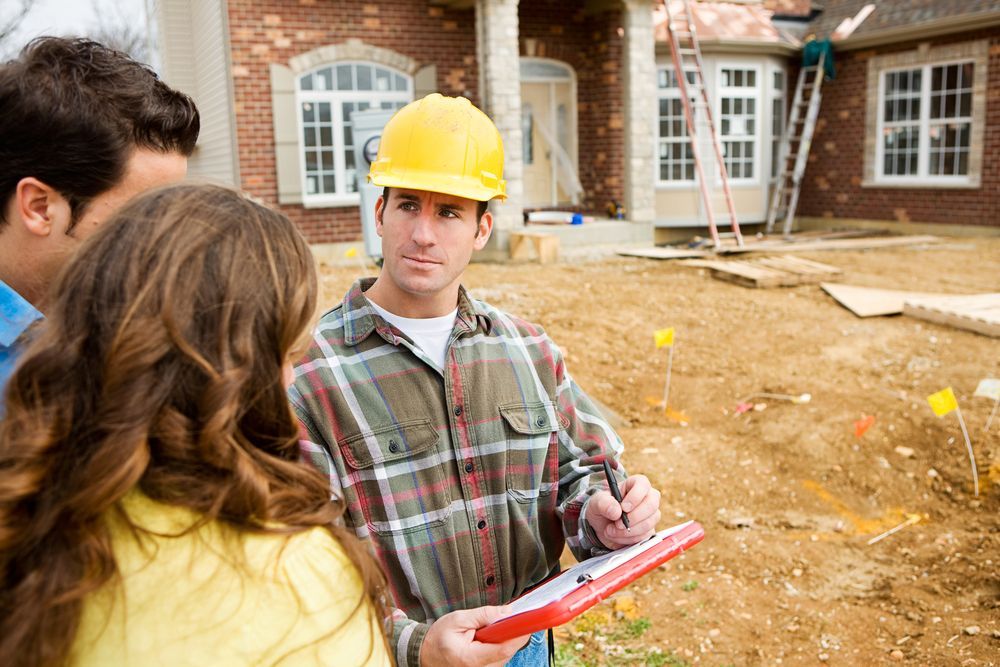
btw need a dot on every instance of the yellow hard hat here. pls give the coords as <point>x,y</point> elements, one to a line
<point>441,144</point>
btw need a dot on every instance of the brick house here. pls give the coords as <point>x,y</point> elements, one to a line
<point>580,90</point>
<point>910,129</point>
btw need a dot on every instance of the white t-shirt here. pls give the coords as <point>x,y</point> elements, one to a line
<point>430,334</point>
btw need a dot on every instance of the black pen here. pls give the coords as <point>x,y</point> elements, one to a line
<point>613,485</point>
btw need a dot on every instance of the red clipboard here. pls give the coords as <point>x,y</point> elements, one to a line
<point>589,593</point>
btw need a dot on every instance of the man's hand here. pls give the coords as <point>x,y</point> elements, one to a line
<point>450,641</point>
<point>639,500</point>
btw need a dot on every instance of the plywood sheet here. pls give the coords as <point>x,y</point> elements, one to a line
<point>662,253</point>
<point>871,301</point>
<point>974,312</point>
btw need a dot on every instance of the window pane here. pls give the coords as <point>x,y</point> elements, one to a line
<point>308,112</point>
<point>326,136</point>
<point>344,79</point>
<point>312,184</point>
<point>965,105</point>
<point>400,82</point>
<point>364,77</point>
<point>327,157</point>
<point>324,79</point>
<point>324,112</point>
<point>309,136</point>
<point>328,183</point>
<point>383,80</point>
<point>311,161</point>
<point>306,82</point>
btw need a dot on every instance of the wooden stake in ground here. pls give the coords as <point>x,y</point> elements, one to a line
<point>944,402</point>
<point>665,338</point>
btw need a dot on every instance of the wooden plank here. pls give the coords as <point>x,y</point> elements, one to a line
<point>974,312</point>
<point>836,244</point>
<point>871,301</point>
<point>662,253</point>
<point>750,275</point>
<point>803,265</point>
<point>808,272</point>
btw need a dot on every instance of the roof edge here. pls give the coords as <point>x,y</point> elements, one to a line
<point>938,27</point>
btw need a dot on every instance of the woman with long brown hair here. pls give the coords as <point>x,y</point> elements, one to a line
<point>153,509</point>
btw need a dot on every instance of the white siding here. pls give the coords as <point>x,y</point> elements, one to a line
<point>194,38</point>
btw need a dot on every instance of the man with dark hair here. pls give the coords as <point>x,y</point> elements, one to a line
<point>451,430</point>
<point>83,129</point>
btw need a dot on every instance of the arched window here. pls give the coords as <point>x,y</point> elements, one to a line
<point>327,96</point>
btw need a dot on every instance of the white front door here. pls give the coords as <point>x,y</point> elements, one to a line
<point>548,116</point>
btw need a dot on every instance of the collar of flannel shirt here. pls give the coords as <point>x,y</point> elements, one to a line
<point>360,319</point>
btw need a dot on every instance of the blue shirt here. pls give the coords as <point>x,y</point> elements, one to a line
<point>16,315</point>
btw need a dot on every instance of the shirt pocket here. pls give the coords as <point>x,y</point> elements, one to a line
<point>532,432</point>
<point>399,476</point>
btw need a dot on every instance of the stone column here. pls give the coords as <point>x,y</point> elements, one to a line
<point>500,94</point>
<point>639,59</point>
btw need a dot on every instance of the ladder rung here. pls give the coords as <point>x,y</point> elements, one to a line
<point>810,68</point>
<point>687,52</point>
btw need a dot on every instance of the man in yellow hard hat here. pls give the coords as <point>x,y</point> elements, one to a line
<point>452,431</point>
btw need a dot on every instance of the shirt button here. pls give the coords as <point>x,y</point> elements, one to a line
<point>481,525</point>
<point>458,410</point>
<point>490,580</point>
<point>540,421</point>
<point>469,467</point>
<point>393,446</point>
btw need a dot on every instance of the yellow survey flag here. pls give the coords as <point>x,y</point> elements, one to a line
<point>943,402</point>
<point>664,337</point>
<point>351,252</point>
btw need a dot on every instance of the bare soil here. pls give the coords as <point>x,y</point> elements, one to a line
<point>788,495</point>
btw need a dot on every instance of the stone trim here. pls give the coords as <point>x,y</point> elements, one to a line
<point>925,54</point>
<point>352,49</point>
<point>640,107</point>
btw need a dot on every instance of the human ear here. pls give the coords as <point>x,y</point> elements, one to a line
<point>485,228</point>
<point>379,210</point>
<point>40,207</point>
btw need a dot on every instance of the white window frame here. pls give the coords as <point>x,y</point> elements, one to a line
<point>672,93</point>
<point>336,99</point>
<point>776,95</point>
<point>923,176</point>
<point>759,116</point>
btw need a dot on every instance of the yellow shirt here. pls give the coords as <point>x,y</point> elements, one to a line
<point>216,596</point>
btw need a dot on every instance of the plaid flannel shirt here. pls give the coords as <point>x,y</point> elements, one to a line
<point>467,480</point>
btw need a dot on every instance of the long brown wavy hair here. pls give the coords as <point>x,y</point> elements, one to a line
<point>159,367</point>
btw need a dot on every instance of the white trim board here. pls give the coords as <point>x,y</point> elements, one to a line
<point>974,312</point>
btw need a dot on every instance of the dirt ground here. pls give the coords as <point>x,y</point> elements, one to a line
<point>787,494</point>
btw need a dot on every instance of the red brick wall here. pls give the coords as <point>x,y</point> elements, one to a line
<point>591,45</point>
<point>832,185</point>
<point>275,31</point>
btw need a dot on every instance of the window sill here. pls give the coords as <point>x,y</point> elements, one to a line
<point>339,201</point>
<point>923,184</point>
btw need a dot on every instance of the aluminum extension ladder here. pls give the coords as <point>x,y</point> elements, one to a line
<point>795,142</point>
<point>686,55</point>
